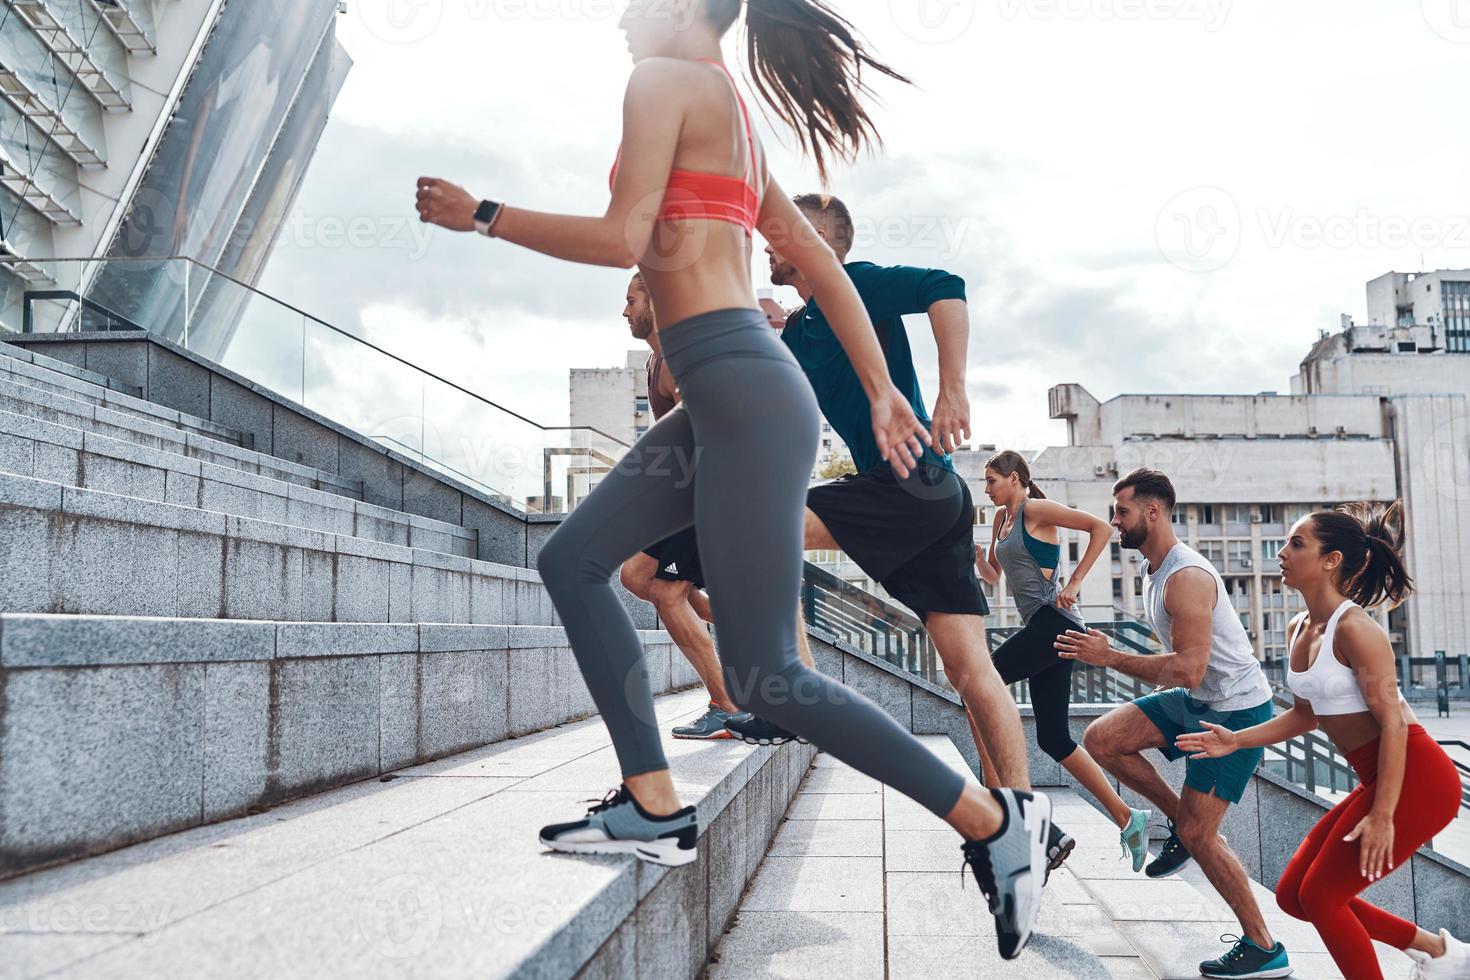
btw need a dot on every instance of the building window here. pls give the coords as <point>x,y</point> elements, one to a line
<point>1237,514</point>
<point>1271,547</point>
<point>640,405</point>
<point>1207,514</point>
<point>1214,551</point>
<point>1455,298</point>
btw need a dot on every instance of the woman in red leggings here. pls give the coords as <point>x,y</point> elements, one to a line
<point>1343,678</point>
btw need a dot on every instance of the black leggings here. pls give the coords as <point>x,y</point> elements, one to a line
<point>1031,656</point>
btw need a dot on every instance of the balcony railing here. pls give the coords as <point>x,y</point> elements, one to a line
<point>425,418</point>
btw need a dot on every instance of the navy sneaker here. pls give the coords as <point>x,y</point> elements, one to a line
<point>708,726</point>
<point>757,731</point>
<point>1246,959</point>
<point>1172,856</point>
<point>1011,866</point>
<point>618,825</point>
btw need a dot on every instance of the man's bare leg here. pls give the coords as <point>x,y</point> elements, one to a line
<point>1198,827</point>
<point>988,775</point>
<point>960,640</point>
<point>1117,741</point>
<point>995,722</point>
<point>672,600</point>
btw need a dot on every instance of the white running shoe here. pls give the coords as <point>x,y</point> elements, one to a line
<point>1011,867</point>
<point>1453,965</point>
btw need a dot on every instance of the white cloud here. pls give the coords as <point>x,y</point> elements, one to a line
<point>1039,149</point>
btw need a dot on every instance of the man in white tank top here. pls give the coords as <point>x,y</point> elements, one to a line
<point>1211,674</point>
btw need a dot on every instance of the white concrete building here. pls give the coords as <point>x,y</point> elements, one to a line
<point>613,400</point>
<point>1377,412</point>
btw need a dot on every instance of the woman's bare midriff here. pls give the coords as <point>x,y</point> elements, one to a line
<point>696,267</point>
<point>1352,732</point>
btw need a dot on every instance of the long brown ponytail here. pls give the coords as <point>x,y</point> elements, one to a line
<point>807,63</point>
<point>1371,540</point>
<point>1008,461</point>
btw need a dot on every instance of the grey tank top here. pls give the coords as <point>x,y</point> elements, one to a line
<point>1234,678</point>
<point>1024,575</point>
<point>660,403</point>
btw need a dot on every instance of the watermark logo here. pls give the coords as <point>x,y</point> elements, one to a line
<point>1450,19</point>
<point>401,917</point>
<point>1199,230</point>
<point>399,21</point>
<point>1211,13</point>
<point>933,21</point>
<point>1443,460</point>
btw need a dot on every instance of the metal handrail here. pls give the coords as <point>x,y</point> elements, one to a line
<point>4,259</point>
<point>30,296</point>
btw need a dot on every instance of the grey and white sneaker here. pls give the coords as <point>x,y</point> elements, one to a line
<point>707,727</point>
<point>618,825</point>
<point>1011,867</point>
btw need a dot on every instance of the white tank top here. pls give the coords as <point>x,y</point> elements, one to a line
<point>1233,678</point>
<point>1327,682</point>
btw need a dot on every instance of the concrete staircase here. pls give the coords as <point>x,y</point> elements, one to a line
<point>249,723</point>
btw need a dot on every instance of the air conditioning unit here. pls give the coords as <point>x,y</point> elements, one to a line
<point>1396,637</point>
<point>1248,563</point>
<point>1257,519</point>
<point>1099,471</point>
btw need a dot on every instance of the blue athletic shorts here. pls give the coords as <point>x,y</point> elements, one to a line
<point>1175,713</point>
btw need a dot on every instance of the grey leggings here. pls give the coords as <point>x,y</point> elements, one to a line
<point>735,463</point>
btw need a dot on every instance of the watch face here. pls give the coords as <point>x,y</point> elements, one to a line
<point>486,211</point>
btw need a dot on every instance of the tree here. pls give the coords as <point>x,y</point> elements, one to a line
<point>837,466</point>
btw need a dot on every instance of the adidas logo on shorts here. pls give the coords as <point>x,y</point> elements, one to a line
<point>672,568</point>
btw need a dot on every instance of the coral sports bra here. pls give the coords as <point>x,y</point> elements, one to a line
<point>695,195</point>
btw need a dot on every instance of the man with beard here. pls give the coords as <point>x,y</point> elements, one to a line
<point>668,575</point>
<point>1211,675</point>
<point>913,535</point>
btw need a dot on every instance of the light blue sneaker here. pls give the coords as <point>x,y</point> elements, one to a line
<point>1247,960</point>
<point>1134,838</point>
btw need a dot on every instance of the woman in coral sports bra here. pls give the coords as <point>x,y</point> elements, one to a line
<point>1344,681</point>
<point>689,189</point>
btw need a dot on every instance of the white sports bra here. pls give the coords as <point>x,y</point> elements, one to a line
<point>1327,683</point>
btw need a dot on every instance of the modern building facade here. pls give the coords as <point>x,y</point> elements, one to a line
<point>1376,412</point>
<point>1439,301</point>
<point>136,130</point>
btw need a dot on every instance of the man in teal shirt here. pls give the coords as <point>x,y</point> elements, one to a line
<point>915,535</point>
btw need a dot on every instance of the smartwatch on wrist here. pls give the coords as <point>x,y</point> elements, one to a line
<point>485,217</point>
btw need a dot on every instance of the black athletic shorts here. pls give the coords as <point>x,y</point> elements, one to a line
<point>678,558</point>
<point>915,536</point>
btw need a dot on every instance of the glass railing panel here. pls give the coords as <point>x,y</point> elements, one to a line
<point>40,296</point>
<point>364,389</point>
<point>246,332</point>
<point>489,449</point>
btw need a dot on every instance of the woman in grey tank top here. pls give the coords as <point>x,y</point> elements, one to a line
<point>1025,548</point>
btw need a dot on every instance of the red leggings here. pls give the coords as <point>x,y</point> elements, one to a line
<point>1323,879</point>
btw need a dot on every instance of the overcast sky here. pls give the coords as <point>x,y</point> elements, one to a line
<point>1144,195</point>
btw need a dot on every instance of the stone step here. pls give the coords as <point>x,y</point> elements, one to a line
<point>70,370</point>
<point>27,382</point>
<point>116,729</point>
<point>437,873</point>
<point>71,550</point>
<point>60,454</point>
<point>157,435</point>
